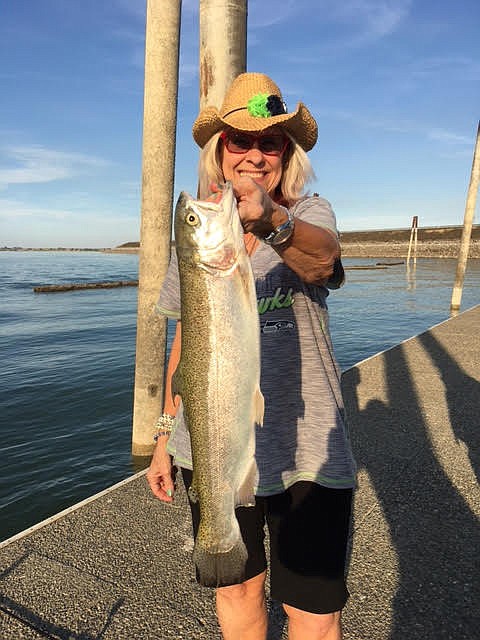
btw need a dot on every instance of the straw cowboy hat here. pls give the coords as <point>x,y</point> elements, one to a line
<point>254,103</point>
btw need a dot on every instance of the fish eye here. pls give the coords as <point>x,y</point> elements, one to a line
<point>192,219</point>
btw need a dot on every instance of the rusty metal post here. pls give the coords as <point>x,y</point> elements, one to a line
<point>223,47</point>
<point>159,128</point>
<point>467,227</point>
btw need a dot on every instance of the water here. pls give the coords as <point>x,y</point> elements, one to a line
<point>377,309</point>
<point>66,385</point>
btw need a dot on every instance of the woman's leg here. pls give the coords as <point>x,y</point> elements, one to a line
<point>309,527</point>
<point>242,610</point>
<point>303,625</point>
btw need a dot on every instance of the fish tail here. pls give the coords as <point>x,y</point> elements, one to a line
<point>221,569</point>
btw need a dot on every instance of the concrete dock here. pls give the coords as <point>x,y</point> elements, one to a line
<point>118,566</point>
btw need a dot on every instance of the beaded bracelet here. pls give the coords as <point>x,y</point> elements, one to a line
<point>164,426</point>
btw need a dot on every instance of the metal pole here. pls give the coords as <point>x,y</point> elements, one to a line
<point>223,47</point>
<point>467,226</point>
<point>159,128</point>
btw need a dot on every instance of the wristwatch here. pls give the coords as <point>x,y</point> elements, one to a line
<point>283,232</point>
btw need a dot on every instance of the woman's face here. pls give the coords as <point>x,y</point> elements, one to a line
<point>258,157</point>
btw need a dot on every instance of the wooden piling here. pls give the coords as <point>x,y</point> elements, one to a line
<point>159,130</point>
<point>223,47</point>
<point>413,240</point>
<point>467,227</point>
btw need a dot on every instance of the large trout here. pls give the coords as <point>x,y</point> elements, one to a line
<point>218,377</point>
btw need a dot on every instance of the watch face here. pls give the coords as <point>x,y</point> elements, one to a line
<point>282,233</point>
<point>282,236</point>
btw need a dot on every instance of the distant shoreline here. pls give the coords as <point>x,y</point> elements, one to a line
<point>425,249</point>
<point>433,242</point>
<point>448,249</point>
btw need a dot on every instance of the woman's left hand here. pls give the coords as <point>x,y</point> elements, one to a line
<point>255,207</point>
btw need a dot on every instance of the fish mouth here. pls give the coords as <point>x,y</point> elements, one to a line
<point>224,255</point>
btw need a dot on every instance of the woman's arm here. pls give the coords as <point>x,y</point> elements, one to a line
<point>310,251</point>
<point>159,474</point>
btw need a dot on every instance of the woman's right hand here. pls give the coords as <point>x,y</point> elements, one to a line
<point>159,474</point>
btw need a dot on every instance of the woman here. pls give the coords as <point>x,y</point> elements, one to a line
<point>306,469</point>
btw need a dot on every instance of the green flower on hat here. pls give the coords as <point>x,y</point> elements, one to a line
<point>262,105</point>
<point>257,106</point>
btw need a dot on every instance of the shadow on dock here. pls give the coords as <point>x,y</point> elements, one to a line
<point>414,424</point>
<point>29,619</point>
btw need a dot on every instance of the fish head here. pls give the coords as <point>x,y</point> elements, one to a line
<point>208,234</point>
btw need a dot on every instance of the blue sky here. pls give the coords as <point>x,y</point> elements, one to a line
<point>393,84</point>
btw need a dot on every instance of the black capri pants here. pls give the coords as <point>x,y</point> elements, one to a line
<point>308,529</point>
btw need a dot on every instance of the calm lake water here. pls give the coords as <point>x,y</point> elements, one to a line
<point>66,385</point>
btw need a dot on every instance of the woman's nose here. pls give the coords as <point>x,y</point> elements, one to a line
<point>255,155</point>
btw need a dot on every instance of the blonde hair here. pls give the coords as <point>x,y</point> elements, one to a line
<point>297,169</point>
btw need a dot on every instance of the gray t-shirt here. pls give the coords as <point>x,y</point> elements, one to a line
<point>304,434</point>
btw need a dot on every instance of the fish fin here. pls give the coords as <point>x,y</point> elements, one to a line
<point>221,569</point>
<point>245,496</point>
<point>259,407</point>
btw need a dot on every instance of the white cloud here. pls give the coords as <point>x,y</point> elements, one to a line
<point>441,135</point>
<point>398,125</point>
<point>355,23</point>
<point>266,14</point>
<point>36,164</point>
<point>377,17</point>
<point>440,64</point>
<point>15,209</point>
<point>27,225</point>
<point>395,125</point>
<point>369,18</point>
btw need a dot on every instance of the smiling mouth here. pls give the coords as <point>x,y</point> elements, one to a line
<point>253,174</point>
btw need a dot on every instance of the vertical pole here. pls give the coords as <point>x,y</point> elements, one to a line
<point>412,233</point>
<point>159,128</point>
<point>467,226</point>
<point>223,47</point>
<point>415,237</point>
